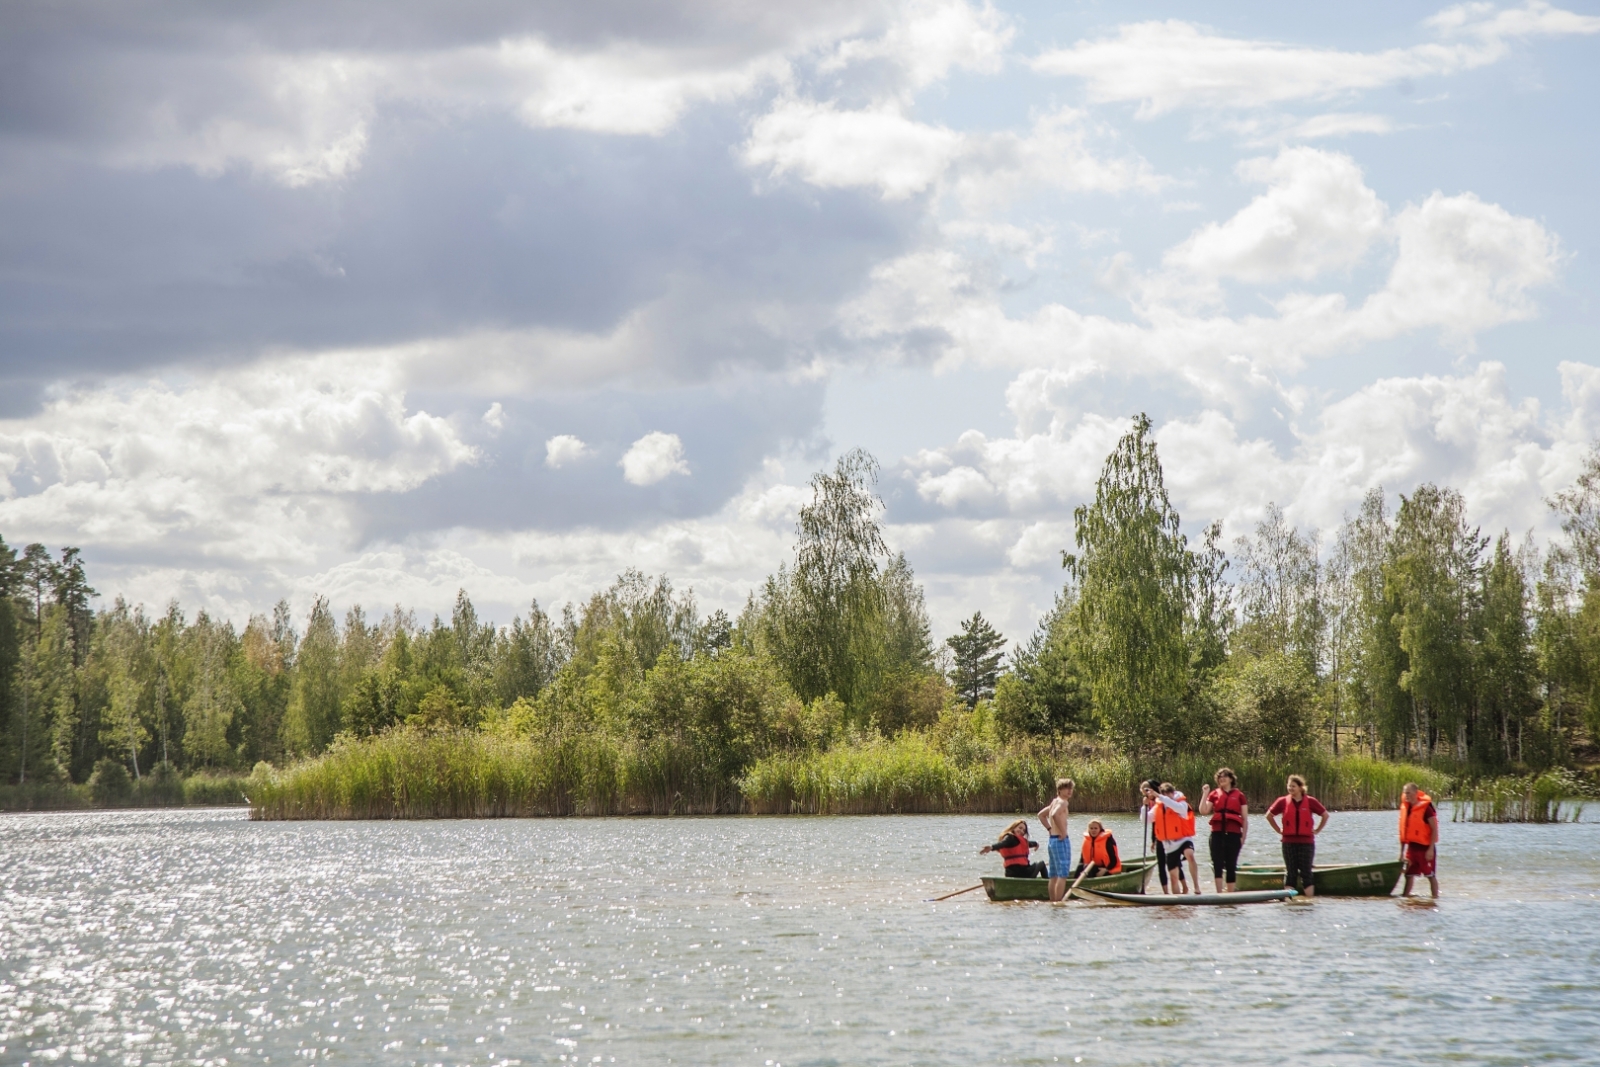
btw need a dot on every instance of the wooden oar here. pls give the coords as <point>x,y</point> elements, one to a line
<point>1087,867</point>
<point>957,893</point>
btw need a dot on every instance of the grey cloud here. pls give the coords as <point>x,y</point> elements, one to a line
<point>446,229</point>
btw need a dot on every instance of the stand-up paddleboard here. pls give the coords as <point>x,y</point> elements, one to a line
<point>1179,900</point>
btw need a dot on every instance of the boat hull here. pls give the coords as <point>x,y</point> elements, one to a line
<point>1130,879</point>
<point>1178,900</point>
<point>1334,880</point>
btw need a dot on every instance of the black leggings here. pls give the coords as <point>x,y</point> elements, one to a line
<point>1161,863</point>
<point>1298,861</point>
<point>1225,854</point>
<point>1026,870</point>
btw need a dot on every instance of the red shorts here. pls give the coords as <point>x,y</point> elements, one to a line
<point>1419,862</point>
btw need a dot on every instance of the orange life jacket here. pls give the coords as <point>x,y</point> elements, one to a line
<point>1227,811</point>
<point>1414,828</point>
<point>1097,850</point>
<point>1169,825</point>
<point>1017,853</point>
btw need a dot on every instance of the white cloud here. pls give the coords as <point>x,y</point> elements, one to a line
<point>832,148</point>
<point>244,464</point>
<point>653,457</point>
<point>1459,265</point>
<point>1172,64</point>
<point>563,449</point>
<point>932,37</point>
<point>1316,215</point>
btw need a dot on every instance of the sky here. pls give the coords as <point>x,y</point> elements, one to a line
<point>382,301</point>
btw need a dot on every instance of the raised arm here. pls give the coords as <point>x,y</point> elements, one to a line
<point>1205,799</point>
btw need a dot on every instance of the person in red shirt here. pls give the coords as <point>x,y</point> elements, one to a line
<point>1229,809</point>
<point>1419,837</point>
<point>1296,812</point>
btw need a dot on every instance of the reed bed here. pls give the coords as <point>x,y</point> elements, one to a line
<point>908,774</point>
<point>409,774</point>
<point>196,791</point>
<point>406,774</point>
<point>1551,797</point>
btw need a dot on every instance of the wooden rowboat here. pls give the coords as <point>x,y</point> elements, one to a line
<point>1180,900</point>
<point>1334,880</point>
<point>1128,880</point>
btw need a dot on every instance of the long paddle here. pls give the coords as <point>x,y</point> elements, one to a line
<point>957,893</point>
<point>1087,867</point>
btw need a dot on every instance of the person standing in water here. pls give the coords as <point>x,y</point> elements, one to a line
<point>1297,809</point>
<point>1419,837</point>
<point>1173,822</point>
<point>1059,850</point>
<point>1229,809</point>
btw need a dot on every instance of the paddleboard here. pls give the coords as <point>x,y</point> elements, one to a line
<point>1174,900</point>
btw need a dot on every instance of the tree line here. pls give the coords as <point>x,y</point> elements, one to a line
<point>1407,634</point>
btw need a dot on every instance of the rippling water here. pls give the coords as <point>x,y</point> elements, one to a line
<point>146,937</point>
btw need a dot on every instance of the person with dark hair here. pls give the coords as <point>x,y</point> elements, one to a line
<point>1229,809</point>
<point>1013,848</point>
<point>1172,821</point>
<point>1297,810</point>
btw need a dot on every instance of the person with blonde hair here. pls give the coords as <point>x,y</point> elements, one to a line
<point>1098,854</point>
<point>1013,847</point>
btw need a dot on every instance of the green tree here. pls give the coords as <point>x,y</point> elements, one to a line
<point>312,717</point>
<point>1133,569</point>
<point>1043,692</point>
<point>976,653</point>
<point>1508,666</point>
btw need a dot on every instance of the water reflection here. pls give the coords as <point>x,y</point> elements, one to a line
<point>200,937</point>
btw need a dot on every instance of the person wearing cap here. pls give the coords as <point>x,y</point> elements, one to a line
<point>1013,848</point>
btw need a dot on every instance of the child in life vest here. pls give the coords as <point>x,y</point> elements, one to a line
<point>1013,848</point>
<point>1099,851</point>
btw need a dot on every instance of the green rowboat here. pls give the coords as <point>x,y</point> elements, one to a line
<point>1335,880</point>
<point>1128,880</point>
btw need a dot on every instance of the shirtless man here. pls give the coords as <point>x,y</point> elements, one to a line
<point>1054,818</point>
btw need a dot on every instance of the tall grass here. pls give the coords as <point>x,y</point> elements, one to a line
<point>1545,798</point>
<point>409,774</point>
<point>908,774</point>
<point>200,790</point>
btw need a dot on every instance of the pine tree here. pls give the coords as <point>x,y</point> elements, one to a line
<point>977,650</point>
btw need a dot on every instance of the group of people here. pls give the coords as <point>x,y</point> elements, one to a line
<point>1297,818</point>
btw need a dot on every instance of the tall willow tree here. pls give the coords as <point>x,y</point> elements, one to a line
<point>848,618</point>
<point>1133,570</point>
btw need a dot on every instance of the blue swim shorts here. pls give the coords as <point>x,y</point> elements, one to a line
<point>1060,858</point>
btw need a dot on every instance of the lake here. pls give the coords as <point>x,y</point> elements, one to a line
<point>200,937</point>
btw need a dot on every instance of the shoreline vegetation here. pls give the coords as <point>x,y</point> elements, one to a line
<point>1406,646</point>
<point>470,774</point>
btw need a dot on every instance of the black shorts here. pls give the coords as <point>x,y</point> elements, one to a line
<point>1297,861</point>
<point>1225,854</point>
<point>1175,859</point>
<point>1025,870</point>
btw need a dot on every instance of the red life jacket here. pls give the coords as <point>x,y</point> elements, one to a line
<point>1097,850</point>
<point>1015,854</point>
<point>1227,811</point>
<point>1169,825</point>
<point>1414,828</point>
<point>1297,818</point>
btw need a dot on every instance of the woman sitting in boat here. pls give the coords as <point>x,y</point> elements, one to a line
<point>1013,847</point>
<point>1099,851</point>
